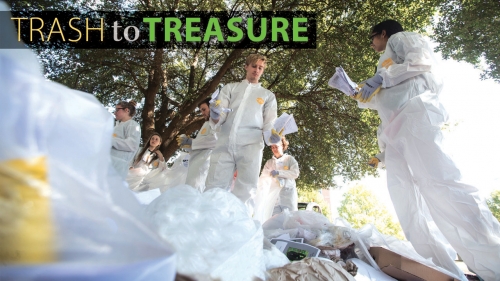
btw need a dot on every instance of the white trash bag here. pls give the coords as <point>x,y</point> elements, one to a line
<point>65,214</point>
<point>211,233</point>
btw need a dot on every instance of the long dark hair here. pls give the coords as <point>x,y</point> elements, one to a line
<point>146,146</point>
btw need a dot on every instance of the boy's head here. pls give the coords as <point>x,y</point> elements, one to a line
<point>204,107</point>
<point>254,66</point>
<point>382,32</point>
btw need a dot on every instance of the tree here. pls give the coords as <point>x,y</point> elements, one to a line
<point>359,207</point>
<point>334,138</point>
<point>494,204</point>
<point>470,31</point>
<point>309,195</point>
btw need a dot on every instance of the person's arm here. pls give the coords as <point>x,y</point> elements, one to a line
<point>270,113</point>
<point>292,172</point>
<point>268,167</point>
<point>224,97</point>
<point>414,57</point>
<point>206,138</point>
<point>131,140</point>
<point>162,164</point>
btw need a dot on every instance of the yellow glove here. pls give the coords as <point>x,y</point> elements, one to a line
<point>184,141</point>
<point>275,136</point>
<point>359,95</point>
<point>374,162</point>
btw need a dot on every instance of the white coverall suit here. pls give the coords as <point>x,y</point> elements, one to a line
<point>146,174</point>
<point>288,170</point>
<point>125,142</point>
<point>423,181</point>
<point>240,140</point>
<point>274,194</point>
<point>199,159</point>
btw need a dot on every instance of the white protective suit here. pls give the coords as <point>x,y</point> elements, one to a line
<point>199,159</point>
<point>240,142</point>
<point>125,142</point>
<point>423,181</point>
<point>146,174</point>
<point>276,194</point>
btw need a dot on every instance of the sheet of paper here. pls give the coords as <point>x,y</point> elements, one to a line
<point>214,97</point>
<point>341,81</point>
<point>285,121</point>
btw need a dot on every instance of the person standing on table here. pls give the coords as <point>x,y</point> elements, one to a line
<point>201,149</point>
<point>285,169</point>
<point>126,137</point>
<point>242,113</point>
<point>423,181</point>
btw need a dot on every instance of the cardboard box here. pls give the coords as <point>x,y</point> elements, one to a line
<point>405,269</point>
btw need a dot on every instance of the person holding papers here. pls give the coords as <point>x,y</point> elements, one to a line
<point>423,181</point>
<point>252,111</point>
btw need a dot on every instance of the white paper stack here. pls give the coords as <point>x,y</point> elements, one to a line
<point>342,82</point>
<point>285,122</point>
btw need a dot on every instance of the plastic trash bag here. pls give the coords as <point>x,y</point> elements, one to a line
<point>66,214</point>
<point>315,228</point>
<point>211,232</point>
<point>268,191</point>
<point>146,197</point>
<point>273,257</point>
<point>175,175</point>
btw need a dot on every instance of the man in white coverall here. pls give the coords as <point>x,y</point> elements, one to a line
<point>201,149</point>
<point>246,110</point>
<point>423,181</point>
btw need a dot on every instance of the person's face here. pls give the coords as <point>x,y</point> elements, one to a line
<point>255,70</point>
<point>277,150</point>
<point>154,141</point>
<point>379,41</point>
<point>121,112</point>
<point>205,110</point>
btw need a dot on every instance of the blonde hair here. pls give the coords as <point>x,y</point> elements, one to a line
<point>252,58</point>
<point>285,143</point>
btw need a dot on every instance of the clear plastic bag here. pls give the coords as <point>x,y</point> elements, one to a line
<point>79,221</point>
<point>268,191</point>
<point>211,232</point>
<point>315,228</point>
<point>175,175</point>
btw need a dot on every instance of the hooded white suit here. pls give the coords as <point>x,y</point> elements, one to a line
<point>424,182</point>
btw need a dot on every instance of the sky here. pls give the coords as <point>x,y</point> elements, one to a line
<point>474,143</point>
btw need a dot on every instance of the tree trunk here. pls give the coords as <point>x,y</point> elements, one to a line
<point>155,77</point>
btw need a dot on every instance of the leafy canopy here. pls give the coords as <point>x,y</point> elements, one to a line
<point>335,137</point>
<point>360,206</point>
